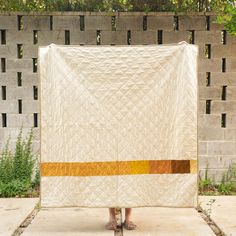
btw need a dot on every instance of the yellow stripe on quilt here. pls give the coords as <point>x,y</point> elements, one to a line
<point>118,168</point>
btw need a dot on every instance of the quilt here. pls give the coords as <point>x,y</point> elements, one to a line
<point>118,125</point>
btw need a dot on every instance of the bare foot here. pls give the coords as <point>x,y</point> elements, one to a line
<point>111,225</point>
<point>129,225</point>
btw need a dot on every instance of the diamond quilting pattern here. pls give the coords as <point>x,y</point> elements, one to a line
<point>111,104</point>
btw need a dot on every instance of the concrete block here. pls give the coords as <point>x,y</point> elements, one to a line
<point>210,65</point>
<point>30,51</point>
<point>88,37</point>
<point>209,120</point>
<point>230,134</point>
<point>8,79</point>
<point>228,107</point>
<point>221,148</point>
<point>29,79</point>
<point>223,51</point>
<point>201,79</point>
<point>214,174</point>
<point>4,50</point>
<point>47,37</point>
<point>74,36</point>
<point>201,51</point>
<point>231,93</point>
<point>218,51</point>
<point>202,148</point>
<point>202,161</point>
<point>20,65</point>
<point>160,23</point>
<point>129,22</point>
<point>30,106</point>
<point>20,37</point>
<point>114,37</point>
<point>216,162</point>
<point>210,134</point>
<point>97,23</point>
<point>143,37</point>
<point>231,39</point>
<point>8,106</point>
<point>61,23</point>
<point>210,92</point>
<point>207,37</point>
<point>18,120</point>
<point>202,107</point>
<point>8,22</point>
<point>13,133</point>
<point>58,37</point>
<point>12,146</point>
<point>231,64</point>
<point>22,92</point>
<point>231,121</point>
<point>174,36</point>
<point>190,22</point>
<point>9,51</point>
<point>219,78</point>
<point>36,22</point>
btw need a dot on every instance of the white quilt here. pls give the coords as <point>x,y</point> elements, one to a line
<point>118,125</point>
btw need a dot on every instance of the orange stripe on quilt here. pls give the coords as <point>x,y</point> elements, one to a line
<point>118,168</point>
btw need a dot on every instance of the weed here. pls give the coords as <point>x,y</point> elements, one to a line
<point>16,170</point>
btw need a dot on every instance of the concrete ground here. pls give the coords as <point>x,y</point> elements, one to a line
<point>91,221</point>
<point>168,222</point>
<point>69,222</point>
<point>13,212</point>
<point>222,211</point>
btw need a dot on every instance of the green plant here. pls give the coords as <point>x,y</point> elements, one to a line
<point>209,209</point>
<point>226,14</point>
<point>228,180</point>
<point>36,180</point>
<point>206,184</point>
<point>226,188</point>
<point>14,188</point>
<point>6,165</point>
<point>16,169</point>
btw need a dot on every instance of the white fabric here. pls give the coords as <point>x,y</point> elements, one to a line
<point>108,103</point>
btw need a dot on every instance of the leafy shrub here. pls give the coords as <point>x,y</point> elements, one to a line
<point>36,181</point>
<point>16,170</point>
<point>14,188</point>
<point>226,188</point>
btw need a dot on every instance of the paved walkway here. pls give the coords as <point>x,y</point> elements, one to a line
<point>91,221</point>
<point>69,221</point>
<point>168,221</point>
<point>13,212</point>
<point>223,212</point>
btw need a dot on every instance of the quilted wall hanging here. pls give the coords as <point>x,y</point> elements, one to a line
<point>118,125</point>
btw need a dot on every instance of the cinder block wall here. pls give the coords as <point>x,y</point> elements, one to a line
<point>22,33</point>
